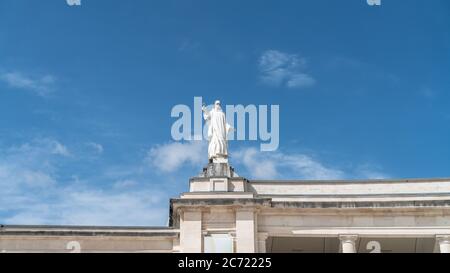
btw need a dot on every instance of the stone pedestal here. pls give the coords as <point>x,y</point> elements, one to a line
<point>217,177</point>
<point>218,170</point>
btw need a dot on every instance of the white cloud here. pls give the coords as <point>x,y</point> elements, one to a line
<point>271,165</point>
<point>31,165</point>
<point>256,164</point>
<point>73,206</point>
<point>59,149</point>
<point>40,147</point>
<point>282,69</point>
<point>278,165</point>
<point>40,85</point>
<point>370,171</point>
<point>33,190</point>
<point>428,93</point>
<point>13,176</point>
<point>172,156</point>
<point>98,148</point>
<point>310,168</point>
<point>126,183</point>
<point>114,208</point>
<point>300,80</point>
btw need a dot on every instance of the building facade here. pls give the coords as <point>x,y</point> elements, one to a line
<point>223,212</point>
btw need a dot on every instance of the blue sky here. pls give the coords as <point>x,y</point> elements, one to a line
<point>86,94</point>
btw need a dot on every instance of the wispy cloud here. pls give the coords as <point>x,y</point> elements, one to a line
<point>282,69</point>
<point>270,165</point>
<point>96,147</point>
<point>170,157</point>
<point>188,45</point>
<point>370,171</point>
<point>37,152</point>
<point>59,149</point>
<point>74,206</point>
<point>278,165</point>
<point>40,85</point>
<point>29,167</point>
<point>17,176</point>
<point>428,93</point>
<point>126,183</point>
<point>35,190</point>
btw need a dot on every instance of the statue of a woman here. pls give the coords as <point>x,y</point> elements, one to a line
<point>218,129</point>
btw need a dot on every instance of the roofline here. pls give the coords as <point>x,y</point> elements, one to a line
<point>426,194</point>
<point>405,180</point>
<point>86,227</point>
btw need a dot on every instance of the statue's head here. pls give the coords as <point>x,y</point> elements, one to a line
<point>217,105</point>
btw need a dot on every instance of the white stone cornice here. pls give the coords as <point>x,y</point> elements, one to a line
<point>380,232</point>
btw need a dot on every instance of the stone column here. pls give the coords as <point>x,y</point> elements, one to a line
<point>262,242</point>
<point>444,243</point>
<point>191,239</point>
<point>246,231</point>
<point>348,243</point>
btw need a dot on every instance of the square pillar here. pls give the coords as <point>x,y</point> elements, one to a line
<point>246,231</point>
<point>191,232</point>
<point>348,243</point>
<point>262,242</point>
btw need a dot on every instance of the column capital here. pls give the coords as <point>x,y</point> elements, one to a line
<point>181,210</point>
<point>262,236</point>
<point>443,238</point>
<point>444,242</point>
<point>348,237</point>
<point>348,242</point>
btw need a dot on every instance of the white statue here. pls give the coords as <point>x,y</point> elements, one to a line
<point>218,129</point>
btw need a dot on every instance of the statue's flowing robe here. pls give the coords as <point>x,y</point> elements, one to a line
<point>217,134</point>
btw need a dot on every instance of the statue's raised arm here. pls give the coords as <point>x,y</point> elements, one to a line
<point>206,115</point>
